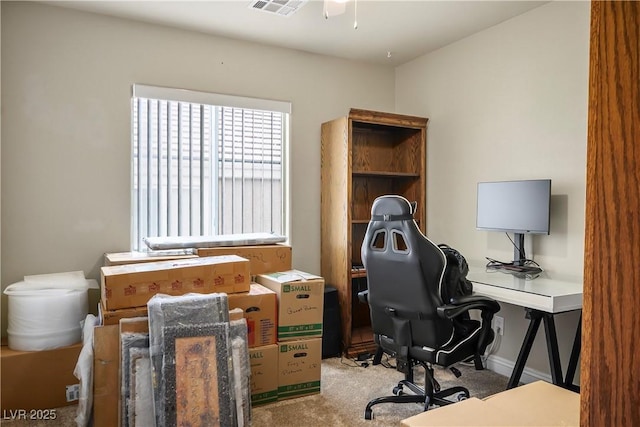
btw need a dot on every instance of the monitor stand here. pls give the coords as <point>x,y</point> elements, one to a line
<point>518,249</point>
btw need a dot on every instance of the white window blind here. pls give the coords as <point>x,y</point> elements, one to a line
<point>206,164</point>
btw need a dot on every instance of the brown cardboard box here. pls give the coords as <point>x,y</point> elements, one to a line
<point>536,404</point>
<point>112,317</point>
<point>38,380</point>
<point>260,309</point>
<point>119,258</point>
<point>107,371</point>
<point>236,314</point>
<point>106,375</point>
<point>262,258</point>
<point>132,285</point>
<point>299,364</point>
<point>540,403</point>
<point>469,412</point>
<point>300,303</point>
<point>264,378</point>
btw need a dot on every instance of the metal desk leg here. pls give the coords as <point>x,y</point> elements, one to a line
<point>534,323</point>
<point>552,349</point>
<point>573,360</point>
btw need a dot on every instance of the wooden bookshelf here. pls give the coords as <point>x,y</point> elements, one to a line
<point>364,155</point>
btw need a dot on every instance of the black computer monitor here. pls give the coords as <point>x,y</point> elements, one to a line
<point>519,207</point>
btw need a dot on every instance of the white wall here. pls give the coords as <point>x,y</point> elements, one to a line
<point>66,79</point>
<point>509,102</point>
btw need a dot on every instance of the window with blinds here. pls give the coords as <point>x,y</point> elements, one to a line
<point>206,164</point>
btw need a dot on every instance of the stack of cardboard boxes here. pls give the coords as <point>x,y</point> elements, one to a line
<point>127,285</point>
<point>283,309</point>
<point>299,349</point>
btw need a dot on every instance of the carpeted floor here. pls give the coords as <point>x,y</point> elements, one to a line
<point>346,387</point>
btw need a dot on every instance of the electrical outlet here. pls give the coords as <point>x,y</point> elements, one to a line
<point>498,324</point>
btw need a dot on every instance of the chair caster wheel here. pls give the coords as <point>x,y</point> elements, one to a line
<point>462,396</point>
<point>368,414</point>
<point>427,403</point>
<point>397,390</point>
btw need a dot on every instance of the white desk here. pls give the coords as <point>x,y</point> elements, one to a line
<point>542,298</point>
<point>542,293</point>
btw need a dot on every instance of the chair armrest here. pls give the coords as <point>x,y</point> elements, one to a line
<point>463,304</point>
<point>363,296</point>
<point>465,299</point>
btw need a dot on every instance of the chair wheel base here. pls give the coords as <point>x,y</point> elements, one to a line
<point>368,414</point>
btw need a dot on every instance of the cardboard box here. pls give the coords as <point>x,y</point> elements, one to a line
<point>38,380</point>
<point>264,378</point>
<point>540,403</point>
<point>106,375</point>
<point>262,258</point>
<point>536,404</point>
<point>119,258</point>
<point>112,317</point>
<point>469,412</point>
<point>236,314</point>
<point>259,307</point>
<point>132,285</point>
<point>300,303</point>
<point>299,364</point>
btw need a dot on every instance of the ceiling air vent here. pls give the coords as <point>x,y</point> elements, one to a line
<point>278,7</point>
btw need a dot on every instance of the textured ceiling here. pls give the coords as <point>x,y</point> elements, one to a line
<point>389,32</point>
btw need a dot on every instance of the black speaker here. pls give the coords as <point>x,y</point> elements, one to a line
<point>331,326</point>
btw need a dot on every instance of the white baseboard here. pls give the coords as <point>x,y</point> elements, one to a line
<point>503,366</point>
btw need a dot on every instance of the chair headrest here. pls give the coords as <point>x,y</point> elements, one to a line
<point>392,208</point>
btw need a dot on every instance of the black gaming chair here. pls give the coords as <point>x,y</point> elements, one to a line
<point>410,321</point>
